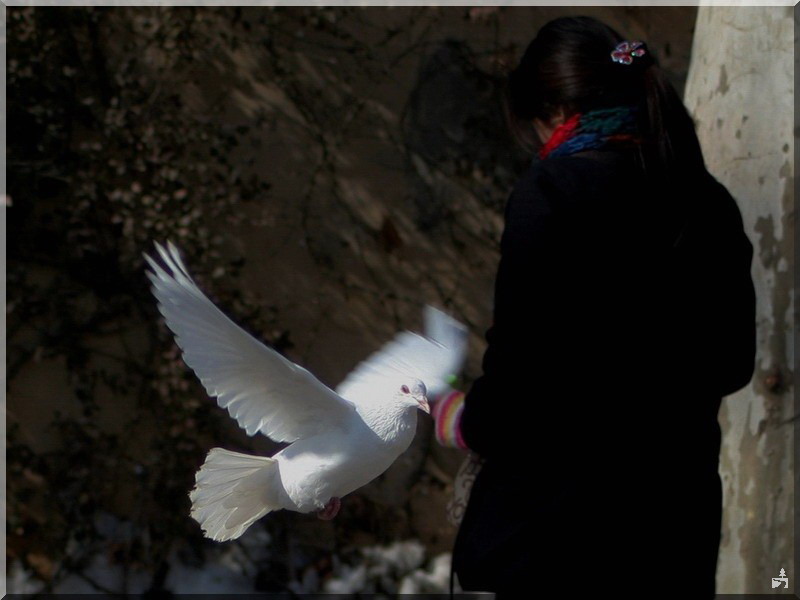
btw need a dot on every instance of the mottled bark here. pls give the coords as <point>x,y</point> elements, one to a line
<point>740,91</point>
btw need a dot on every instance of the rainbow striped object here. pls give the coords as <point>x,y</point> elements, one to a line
<point>447,416</point>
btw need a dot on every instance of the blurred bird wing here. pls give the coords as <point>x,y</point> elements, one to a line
<point>444,329</point>
<point>261,389</point>
<point>411,355</point>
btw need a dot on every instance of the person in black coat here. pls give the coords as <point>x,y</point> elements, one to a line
<point>624,312</point>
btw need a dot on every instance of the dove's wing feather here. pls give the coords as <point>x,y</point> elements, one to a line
<point>260,388</point>
<point>451,334</point>
<point>410,355</point>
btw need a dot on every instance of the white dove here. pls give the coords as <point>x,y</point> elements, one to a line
<point>339,441</point>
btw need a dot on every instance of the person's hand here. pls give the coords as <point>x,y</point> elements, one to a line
<point>446,413</point>
<point>441,390</point>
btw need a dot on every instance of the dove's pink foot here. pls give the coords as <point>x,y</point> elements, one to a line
<point>331,509</point>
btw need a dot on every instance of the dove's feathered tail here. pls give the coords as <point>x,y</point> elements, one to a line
<point>233,491</point>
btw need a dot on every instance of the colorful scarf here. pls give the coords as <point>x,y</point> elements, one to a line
<point>594,129</point>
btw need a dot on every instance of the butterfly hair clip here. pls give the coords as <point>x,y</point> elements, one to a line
<point>626,51</point>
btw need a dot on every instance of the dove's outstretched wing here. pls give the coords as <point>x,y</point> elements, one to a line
<point>260,388</point>
<point>451,334</point>
<point>432,358</point>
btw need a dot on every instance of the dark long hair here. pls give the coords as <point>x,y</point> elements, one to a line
<point>568,66</point>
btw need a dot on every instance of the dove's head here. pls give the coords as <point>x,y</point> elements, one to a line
<point>412,393</point>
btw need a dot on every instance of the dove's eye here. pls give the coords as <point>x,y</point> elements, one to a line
<point>405,389</point>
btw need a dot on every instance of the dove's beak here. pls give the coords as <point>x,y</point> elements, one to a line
<point>423,404</point>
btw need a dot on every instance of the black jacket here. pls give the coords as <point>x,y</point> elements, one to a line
<point>624,312</point>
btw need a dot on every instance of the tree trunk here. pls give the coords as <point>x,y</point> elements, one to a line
<point>740,91</point>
